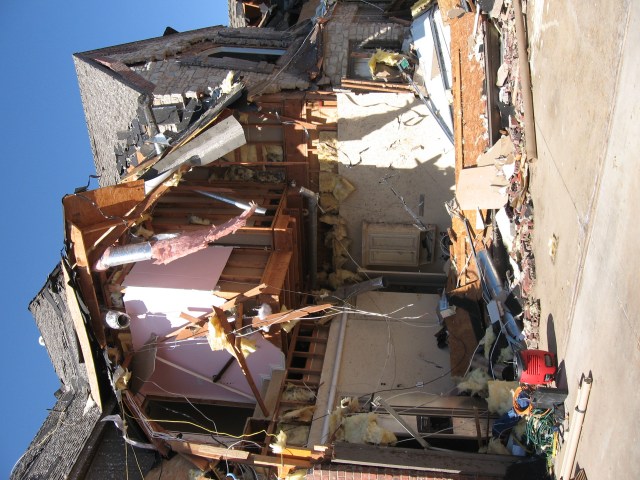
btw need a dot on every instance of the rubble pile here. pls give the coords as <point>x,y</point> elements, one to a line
<point>520,205</point>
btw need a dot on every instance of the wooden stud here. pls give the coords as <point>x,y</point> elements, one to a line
<point>241,359</point>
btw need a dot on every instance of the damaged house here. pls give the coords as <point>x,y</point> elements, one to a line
<point>255,287</point>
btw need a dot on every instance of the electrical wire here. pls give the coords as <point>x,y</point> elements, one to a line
<point>202,427</point>
<point>135,456</point>
<point>183,396</point>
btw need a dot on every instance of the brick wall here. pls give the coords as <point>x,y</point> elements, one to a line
<point>357,472</point>
<point>346,26</point>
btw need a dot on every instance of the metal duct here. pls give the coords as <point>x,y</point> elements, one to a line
<point>231,201</point>
<point>312,197</point>
<point>122,254</point>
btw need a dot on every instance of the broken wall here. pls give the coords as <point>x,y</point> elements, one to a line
<point>175,68</point>
<point>180,64</point>
<point>388,347</point>
<point>177,80</point>
<point>392,138</point>
<point>346,26</point>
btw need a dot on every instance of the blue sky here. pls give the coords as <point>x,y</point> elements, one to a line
<point>45,154</point>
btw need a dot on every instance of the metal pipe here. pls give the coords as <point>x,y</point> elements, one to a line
<point>231,201</point>
<point>490,276</point>
<point>312,197</point>
<point>122,254</point>
<point>324,436</point>
<point>491,281</point>
<point>576,427</point>
<point>531,146</point>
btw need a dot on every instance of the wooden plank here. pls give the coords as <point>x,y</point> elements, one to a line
<point>241,359</point>
<point>83,339</point>
<point>295,141</point>
<point>424,460</point>
<point>87,286</point>
<point>462,341</point>
<point>282,235</point>
<point>94,206</point>
<point>254,292</point>
<point>275,272</point>
<point>284,317</point>
<point>208,451</point>
<point>458,125</point>
<point>370,83</point>
<point>277,461</point>
<point>199,462</point>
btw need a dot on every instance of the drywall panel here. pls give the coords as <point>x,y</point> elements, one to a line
<point>157,311</point>
<point>394,153</point>
<point>390,345</point>
<point>197,271</point>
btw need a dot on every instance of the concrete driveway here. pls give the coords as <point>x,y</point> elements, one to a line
<point>586,188</point>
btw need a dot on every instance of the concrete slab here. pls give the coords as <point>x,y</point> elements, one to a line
<point>575,57</point>
<point>584,188</point>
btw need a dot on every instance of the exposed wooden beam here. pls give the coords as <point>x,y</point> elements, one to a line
<point>424,460</point>
<point>284,317</point>
<point>423,443</point>
<point>241,359</point>
<point>83,339</point>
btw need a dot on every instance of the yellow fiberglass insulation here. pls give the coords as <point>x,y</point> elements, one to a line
<point>293,393</point>
<point>299,474</point>
<point>487,341</point>
<point>347,406</point>
<point>500,399</point>
<point>218,339</point>
<point>364,428</point>
<point>343,188</point>
<point>297,435</point>
<point>506,355</point>
<point>520,429</point>
<point>496,447</point>
<point>280,444</point>
<point>304,414</point>
<point>388,58</point>
<point>475,382</point>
